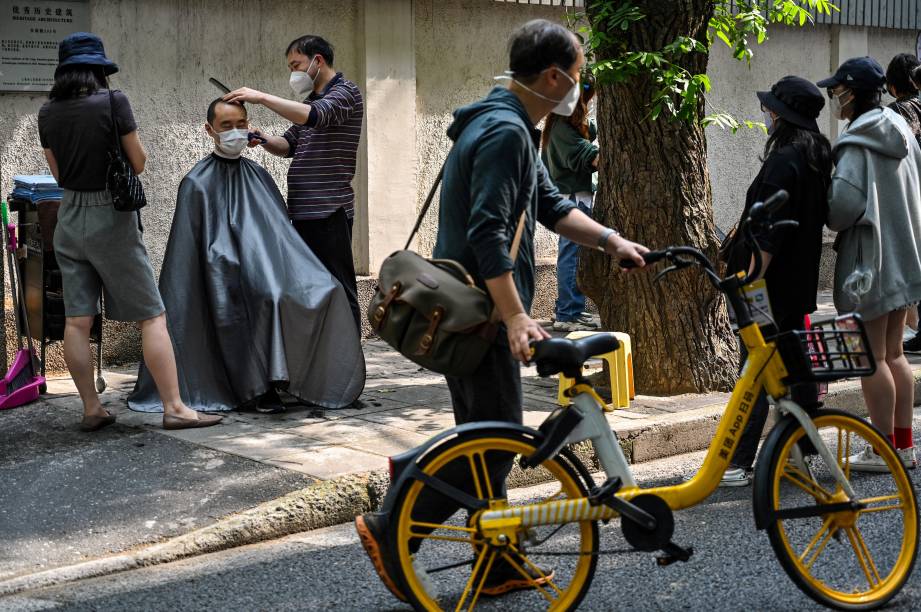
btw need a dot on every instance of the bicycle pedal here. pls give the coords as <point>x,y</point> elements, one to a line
<point>600,494</point>
<point>673,553</point>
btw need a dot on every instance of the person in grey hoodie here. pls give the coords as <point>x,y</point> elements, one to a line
<point>875,206</point>
<point>492,175</point>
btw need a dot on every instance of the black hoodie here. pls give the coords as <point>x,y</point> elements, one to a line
<point>492,174</point>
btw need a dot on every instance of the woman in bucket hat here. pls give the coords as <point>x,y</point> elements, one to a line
<point>797,159</point>
<point>99,249</point>
<point>875,206</point>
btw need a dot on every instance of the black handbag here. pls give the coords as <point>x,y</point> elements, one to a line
<point>123,184</point>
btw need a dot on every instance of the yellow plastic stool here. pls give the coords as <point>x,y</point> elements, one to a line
<point>620,364</point>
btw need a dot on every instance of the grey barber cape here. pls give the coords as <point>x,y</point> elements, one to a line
<point>248,305</point>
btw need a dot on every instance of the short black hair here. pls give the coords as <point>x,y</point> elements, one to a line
<point>213,107</point>
<point>899,73</point>
<point>538,45</point>
<point>865,100</point>
<point>311,45</point>
<point>78,80</point>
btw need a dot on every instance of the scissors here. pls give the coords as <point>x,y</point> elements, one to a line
<point>226,90</point>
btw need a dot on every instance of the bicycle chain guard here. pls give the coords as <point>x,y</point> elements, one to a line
<point>644,539</point>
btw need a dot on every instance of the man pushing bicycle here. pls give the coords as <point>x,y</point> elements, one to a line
<point>495,190</point>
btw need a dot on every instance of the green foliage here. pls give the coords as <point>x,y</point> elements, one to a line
<point>678,92</point>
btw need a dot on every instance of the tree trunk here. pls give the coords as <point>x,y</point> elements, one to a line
<point>654,187</point>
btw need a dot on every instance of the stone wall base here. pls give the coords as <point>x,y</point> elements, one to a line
<point>122,341</point>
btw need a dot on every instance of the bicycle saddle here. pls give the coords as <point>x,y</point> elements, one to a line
<point>567,356</point>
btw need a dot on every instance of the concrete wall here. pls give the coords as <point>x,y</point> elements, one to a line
<point>734,158</point>
<point>460,47</point>
<point>166,50</point>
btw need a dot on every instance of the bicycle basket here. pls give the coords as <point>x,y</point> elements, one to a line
<point>830,350</point>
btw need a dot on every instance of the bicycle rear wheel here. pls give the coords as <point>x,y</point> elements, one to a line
<point>851,558</point>
<point>447,563</point>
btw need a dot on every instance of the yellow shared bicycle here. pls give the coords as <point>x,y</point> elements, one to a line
<point>460,510</point>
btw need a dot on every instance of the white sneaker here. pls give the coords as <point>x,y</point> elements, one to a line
<point>867,461</point>
<point>908,457</point>
<point>735,477</point>
<point>587,318</point>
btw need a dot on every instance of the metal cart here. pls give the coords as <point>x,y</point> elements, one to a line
<point>41,277</point>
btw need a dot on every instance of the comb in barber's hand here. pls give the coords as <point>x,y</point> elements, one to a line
<point>219,85</point>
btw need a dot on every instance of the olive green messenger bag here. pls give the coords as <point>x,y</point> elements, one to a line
<point>431,311</point>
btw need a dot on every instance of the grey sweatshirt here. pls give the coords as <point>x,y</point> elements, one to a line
<point>875,205</point>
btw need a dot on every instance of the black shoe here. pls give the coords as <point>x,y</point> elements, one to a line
<point>372,531</point>
<point>505,578</point>
<point>270,403</point>
<point>912,345</point>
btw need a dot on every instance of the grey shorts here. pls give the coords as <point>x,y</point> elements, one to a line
<point>100,249</point>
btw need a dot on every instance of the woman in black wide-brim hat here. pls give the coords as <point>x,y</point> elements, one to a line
<point>98,248</point>
<point>797,158</point>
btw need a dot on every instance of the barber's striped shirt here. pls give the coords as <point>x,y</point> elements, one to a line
<point>324,152</point>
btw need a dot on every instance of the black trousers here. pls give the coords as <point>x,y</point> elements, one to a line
<point>330,239</point>
<point>805,394</point>
<point>491,393</point>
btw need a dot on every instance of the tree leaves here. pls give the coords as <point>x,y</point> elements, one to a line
<point>679,93</point>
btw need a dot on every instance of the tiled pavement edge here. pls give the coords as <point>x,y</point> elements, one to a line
<point>347,450</point>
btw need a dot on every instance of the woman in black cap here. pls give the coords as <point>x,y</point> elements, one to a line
<point>797,159</point>
<point>875,206</point>
<point>98,248</point>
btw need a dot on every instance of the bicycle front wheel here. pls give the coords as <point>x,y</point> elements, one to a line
<point>852,557</point>
<point>447,563</point>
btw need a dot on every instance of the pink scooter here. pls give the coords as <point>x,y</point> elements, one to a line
<point>22,384</point>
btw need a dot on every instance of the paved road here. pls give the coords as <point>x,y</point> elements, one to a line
<point>733,568</point>
<point>66,496</point>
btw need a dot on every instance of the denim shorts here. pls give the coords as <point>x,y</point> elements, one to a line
<point>101,252</point>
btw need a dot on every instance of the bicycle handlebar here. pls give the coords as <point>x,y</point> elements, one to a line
<point>762,211</point>
<point>650,257</point>
<point>773,203</point>
<point>759,214</point>
<point>684,256</point>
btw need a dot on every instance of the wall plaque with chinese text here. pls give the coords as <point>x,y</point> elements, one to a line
<point>30,32</point>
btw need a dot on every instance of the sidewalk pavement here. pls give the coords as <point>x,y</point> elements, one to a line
<point>68,496</point>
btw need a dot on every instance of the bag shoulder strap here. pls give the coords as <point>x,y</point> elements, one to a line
<point>519,231</point>
<point>425,207</point>
<point>115,137</point>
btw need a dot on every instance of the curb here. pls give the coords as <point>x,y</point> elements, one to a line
<point>339,500</point>
<point>692,430</point>
<point>324,504</point>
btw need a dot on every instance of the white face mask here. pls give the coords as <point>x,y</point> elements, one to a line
<point>837,106</point>
<point>232,142</point>
<point>301,82</point>
<point>769,122</point>
<point>565,106</point>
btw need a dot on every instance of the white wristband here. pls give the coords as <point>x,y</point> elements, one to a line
<point>603,240</point>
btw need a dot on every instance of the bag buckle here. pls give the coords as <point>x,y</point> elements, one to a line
<point>425,345</point>
<point>377,318</point>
